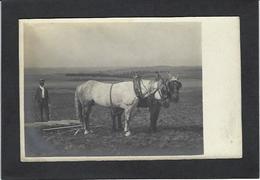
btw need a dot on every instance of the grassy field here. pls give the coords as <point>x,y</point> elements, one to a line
<point>180,127</point>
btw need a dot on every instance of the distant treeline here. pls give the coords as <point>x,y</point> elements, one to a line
<point>115,74</point>
<point>98,75</point>
<point>192,73</point>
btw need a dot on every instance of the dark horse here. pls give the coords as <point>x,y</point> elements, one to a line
<point>173,85</point>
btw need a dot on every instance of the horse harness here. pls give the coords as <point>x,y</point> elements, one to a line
<point>137,82</point>
<point>111,102</point>
<point>110,98</point>
<point>137,87</point>
<point>138,91</point>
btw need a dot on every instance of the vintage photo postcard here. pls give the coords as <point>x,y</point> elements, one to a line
<point>102,89</point>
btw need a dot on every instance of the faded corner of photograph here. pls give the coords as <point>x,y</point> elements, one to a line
<point>112,88</point>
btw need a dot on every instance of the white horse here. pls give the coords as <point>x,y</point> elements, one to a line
<point>117,95</point>
<point>173,85</point>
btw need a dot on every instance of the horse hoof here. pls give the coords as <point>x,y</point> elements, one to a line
<point>128,133</point>
<point>87,132</point>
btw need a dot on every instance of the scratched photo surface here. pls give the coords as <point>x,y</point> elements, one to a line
<point>66,55</point>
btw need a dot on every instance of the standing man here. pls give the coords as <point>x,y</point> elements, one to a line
<point>42,99</point>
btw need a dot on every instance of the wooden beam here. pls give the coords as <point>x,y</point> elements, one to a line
<point>63,127</point>
<point>53,123</point>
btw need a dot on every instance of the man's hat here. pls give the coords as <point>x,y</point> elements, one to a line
<point>41,80</point>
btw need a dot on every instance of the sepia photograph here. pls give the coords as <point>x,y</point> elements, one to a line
<point>111,89</point>
<point>134,89</point>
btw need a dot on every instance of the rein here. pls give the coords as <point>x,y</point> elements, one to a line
<point>160,93</point>
<point>147,89</point>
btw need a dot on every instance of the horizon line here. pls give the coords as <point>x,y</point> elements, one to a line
<point>117,67</point>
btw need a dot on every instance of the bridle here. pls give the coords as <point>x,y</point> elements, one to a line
<point>179,85</point>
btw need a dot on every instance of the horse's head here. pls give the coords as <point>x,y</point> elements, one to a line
<point>173,86</point>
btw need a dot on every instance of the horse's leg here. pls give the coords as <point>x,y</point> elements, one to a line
<point>113,116</point>
<point>154,114</point>
<point>127,119</point>
<point>79,115</point>
<point>83,118</point>
<point>79,107</point>
<point>116,119</point>
<point>119,122</point>
<point>128,112</point>
<point>87,112</point>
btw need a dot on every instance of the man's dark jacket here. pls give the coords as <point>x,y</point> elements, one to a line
<point>38,95</point>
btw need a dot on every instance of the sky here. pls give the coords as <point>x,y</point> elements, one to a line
<point>112,44</point>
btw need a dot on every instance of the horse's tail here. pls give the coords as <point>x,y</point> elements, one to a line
<point>78,106</point>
